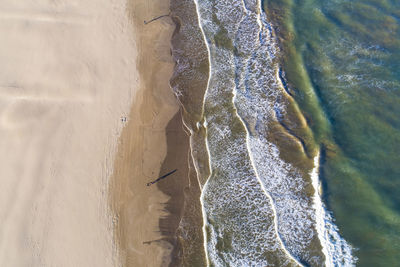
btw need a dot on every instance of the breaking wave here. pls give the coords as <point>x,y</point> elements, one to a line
<point>258,209</point>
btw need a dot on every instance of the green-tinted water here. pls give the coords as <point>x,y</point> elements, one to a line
<point>343,66</point>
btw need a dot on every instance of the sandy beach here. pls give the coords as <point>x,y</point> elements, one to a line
<point>152,143</point>
<point>74,76</point>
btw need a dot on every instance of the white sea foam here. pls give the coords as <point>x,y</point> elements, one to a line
<point>248,142</point>
<point>253,202</point>
<point>208,150</point>
<point>245,248</point>
<point>257,102</point>
<point>336,250</point>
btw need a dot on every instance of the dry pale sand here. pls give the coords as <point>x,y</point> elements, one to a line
<point>67,76</point>
<point>143,145</point>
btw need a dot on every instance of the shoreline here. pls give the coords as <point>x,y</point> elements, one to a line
<point>152,143</point>
<point>189,82</point>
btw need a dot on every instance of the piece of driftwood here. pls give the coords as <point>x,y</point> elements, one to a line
<point>156,18</point>
<point>161,177</point>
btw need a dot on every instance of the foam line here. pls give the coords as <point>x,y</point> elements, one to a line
<point>248,148</point>
<point>262,184</point>
<point>336,250</point>
<point>207,147</point>
<point>253,165</point>
<point>319,211</point>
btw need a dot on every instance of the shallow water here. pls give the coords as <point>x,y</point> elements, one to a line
<point>260,201</point>
<point>291,107</point>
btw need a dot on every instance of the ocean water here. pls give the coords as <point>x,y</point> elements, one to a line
<point>294,131</point>
<point>346,55</point>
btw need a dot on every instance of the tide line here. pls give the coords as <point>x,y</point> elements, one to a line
<point>336,250</point>
<point>319,212</point>
<point>207,147</point>
<point>262,186</point>
<point>248,148</point>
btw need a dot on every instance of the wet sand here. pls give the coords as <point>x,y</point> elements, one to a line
<point>87,118</point>
<point>152,144</point>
